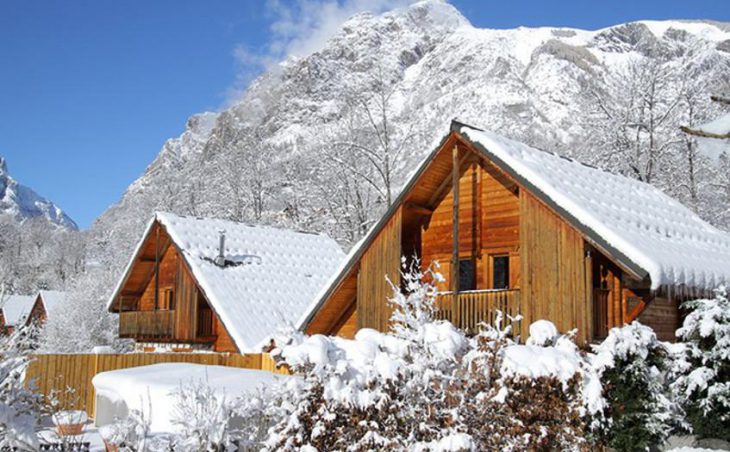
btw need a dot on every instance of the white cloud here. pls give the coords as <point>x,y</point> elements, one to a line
<point>299,28</point>
<point>304,26</point>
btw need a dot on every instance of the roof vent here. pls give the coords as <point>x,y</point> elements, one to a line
<point>221,259</point>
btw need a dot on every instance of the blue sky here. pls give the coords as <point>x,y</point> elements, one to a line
<point>90,90</point>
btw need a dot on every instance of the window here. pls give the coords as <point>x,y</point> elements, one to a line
<point>500,272</point>
<point>168,300</point>
<point>467,275</point>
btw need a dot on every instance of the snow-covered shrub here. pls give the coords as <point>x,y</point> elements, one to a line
<point>19,407</point>
<point>203,417</point>
<point>131,434</point>
<point>702,366</point>
<point>631,362</point>
<point>426,386</point>
<point>542,395</point>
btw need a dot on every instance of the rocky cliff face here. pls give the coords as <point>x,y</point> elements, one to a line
<point>22,203</point>
<point>526,83</point>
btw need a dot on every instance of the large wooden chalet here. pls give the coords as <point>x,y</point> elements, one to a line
<point>202,283</point>
<point>533,233</point>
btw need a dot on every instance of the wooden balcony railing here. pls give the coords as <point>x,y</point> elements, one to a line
<point>146,324</point>
<point>468,309</point>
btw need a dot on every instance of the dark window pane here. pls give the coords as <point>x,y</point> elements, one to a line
<point>467,275</point>
<point>500,272</point>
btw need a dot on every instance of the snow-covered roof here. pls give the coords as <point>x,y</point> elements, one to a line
<point>16,307</point>
<point>654,231</point>
<point>718,126</point>
<point>276,275</point>
<point>52,299</point>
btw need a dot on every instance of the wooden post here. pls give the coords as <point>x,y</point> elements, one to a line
<point>455,222</point>
<point>157,269</point>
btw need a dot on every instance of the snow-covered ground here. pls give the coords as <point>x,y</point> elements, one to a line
<point>151,389</point>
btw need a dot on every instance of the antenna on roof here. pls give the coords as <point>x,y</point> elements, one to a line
<point>221,259</point>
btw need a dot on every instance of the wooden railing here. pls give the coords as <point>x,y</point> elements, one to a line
<point>468,309</point>
<point>146,324</point>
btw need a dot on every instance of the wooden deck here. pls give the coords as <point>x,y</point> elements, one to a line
<point>470,308</point>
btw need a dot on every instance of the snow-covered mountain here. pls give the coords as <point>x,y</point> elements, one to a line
<point>526,83</point>
<point>22,203</point>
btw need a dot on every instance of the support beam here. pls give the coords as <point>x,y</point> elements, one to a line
<point>418,209</point>
<point>444,187</point>
<point>157,269</point>
<point>455,173</point>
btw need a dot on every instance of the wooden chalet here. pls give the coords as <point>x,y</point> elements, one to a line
<point>202,283</point>
<point>14,310</point>
<point>47,302</point>
<point>528,232</point>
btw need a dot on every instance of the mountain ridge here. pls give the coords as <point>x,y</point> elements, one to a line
<point>526,83</point>
<point>23,203</point>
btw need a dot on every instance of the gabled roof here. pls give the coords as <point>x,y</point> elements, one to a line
<point>645,231</point>
<point>276,275</point>
<point>15,308</point>
<point>52,299</point>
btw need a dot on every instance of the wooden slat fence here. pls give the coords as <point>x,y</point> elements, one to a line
<point>48,373</point>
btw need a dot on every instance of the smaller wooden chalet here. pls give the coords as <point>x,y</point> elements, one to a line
<point>528,232</point>
<point>219,285</point>
<point>47,303</point>
<point>14,310</point>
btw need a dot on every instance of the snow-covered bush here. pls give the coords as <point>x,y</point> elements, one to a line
<point>204,418</point>
<point>631,362</point>
<point>702,366</point>
<point>131,434</point>
<point>19,407</point>
<point>426,386</point>
<point>542,395</point>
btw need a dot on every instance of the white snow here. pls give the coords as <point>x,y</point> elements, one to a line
<point>52,300</point>
<point>150,389</point>
<point>270,288</point>
<point>542,332</point>
<point>16,308</point>
<point>70,417</point>
<point>657,233</point>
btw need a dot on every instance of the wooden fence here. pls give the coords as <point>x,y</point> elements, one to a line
<point>49,373</point>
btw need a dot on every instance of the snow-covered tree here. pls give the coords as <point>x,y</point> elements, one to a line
<point>19,407</point>
<point>632,362</point>
<point>702,366</point>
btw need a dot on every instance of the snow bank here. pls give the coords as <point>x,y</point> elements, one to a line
<point>150,389</point>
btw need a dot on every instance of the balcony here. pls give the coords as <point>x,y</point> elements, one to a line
<point>468,309</point>
<point>150,325</point>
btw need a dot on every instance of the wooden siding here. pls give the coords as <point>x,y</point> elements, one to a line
<point>467,310</point>
<point>223,341</point>
<point>57,372</point>
<point>347,327</point>
<point>380,260</point>
<point>186,309</point>
<point>488,225</point>
<point>662,315</point>
<point>553,282</point>
<point>168,276</point>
